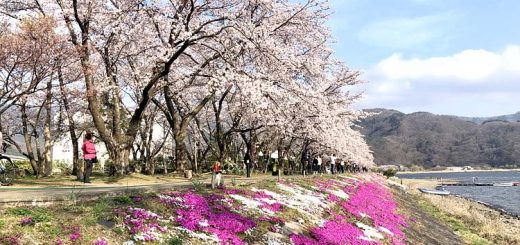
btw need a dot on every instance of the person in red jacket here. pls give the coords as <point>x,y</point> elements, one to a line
<point>89,156</point>
<point>217,175</point>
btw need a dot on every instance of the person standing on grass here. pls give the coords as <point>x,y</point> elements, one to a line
<point>247,161</point>
<point>89,156</point>
<point>217,175</point>
<point>333,163</point>
<point>314,165</point>
<point>342,166</point>
<point>319,164</point>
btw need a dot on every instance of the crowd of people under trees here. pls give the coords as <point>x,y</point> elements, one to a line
<point>307,166</point>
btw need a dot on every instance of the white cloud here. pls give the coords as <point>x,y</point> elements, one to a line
<point>468,65</point>
<point>470,83</point>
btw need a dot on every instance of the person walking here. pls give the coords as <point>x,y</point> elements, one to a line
<point>319,164</point>
<point>247,161</point>
<point>305,163</point>
<point>89,156</point>
<point>217,175</point>
<point>342,166</point>
<point>314,165</point>
<point>333,163</point>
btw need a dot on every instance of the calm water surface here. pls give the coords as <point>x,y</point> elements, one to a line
<point>507,198</point>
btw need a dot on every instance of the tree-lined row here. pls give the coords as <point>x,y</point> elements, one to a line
<point>216,73</point>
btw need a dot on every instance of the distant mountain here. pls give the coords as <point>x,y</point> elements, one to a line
<point>508,118</point>
<point>429,140</point>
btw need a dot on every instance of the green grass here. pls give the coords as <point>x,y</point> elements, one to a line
<point>465,231</point>
<point>38,214</point>
<point>175,241</point>
<point>50,229</point>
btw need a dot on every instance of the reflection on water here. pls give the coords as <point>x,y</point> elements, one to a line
<point>507,198</point>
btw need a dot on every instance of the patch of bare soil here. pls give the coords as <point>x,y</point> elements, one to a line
<point>424,229</point>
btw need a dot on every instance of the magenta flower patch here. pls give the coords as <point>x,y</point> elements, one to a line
<point>76,234</point>
<point>143,225</point>
<point>275,207</point>
<point>299,239</point>
<point>10,240</point>
<point>261,194</point>
<point>100,241</point>
<point>332,233</point>
<point>339,233</point>
<point>27,221</point>
<point>198,213</point>
<point>333,198</point>
<point>376,202</point>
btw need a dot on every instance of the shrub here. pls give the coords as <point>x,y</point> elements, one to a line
<point>389,172</point>
<point>64,167</point>
<point>175,241</point>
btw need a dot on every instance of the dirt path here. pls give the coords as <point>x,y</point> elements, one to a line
<point>48,194</point>
<point>424,229</point>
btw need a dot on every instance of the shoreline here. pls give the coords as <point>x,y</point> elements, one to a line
<point>490,206</point>
<point>457,171</point>
<point>432,183</point>
<point>475,221</point>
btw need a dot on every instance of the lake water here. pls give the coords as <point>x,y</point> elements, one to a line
<point>506,198</point>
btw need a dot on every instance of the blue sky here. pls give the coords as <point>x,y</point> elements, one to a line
<point>457,57</point>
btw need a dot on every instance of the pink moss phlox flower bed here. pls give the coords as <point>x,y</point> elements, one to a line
<point>368,201</point>
<point>375,200</point>
<point>262,194</point>
<point>275,207</point>
<point>76,233</point>
<point>26,221</point>
<point>100,241</point>
<point>324,185</point>
<point>299,239</point>
<point>199,213</point>
<point>357,212</point>
<point>337,232</point>
<point>9,240</point>
<point>143,224</point>
<point>333,198</point>
<point>232,191</point>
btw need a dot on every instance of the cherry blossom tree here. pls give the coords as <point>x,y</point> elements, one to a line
<point>258,72</point>
<point>28,57</point>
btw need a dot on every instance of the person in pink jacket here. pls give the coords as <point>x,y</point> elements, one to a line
<point>89,155</point>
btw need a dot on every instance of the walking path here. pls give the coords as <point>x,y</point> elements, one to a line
<point>12,196</point>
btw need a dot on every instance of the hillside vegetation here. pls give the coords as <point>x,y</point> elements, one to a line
<point>429,140</point>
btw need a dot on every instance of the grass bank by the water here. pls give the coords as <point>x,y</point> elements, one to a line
<point>474,222</point>
<point>458,171</point>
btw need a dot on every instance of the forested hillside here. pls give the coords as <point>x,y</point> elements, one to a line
<point>430,140</point>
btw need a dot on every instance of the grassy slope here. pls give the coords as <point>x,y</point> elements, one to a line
<point>97,219</point>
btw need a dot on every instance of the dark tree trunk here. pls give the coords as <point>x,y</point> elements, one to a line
<point>28,140</point>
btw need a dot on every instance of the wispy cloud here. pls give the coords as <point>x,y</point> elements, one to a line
<point>406,33</point>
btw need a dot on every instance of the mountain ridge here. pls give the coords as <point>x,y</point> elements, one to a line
<point>429,140</point>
